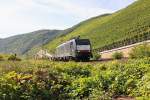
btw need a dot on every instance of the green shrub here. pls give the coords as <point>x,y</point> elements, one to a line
<point>117,55</point>
<point>96,56</point>
<point>1,58</point>
<point>14,58</point>
<point>140,51</point>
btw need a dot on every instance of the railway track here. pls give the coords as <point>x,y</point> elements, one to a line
<point>45,54</point>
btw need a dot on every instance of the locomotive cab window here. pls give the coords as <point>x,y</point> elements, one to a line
<point>71,45</point>
<point>76,49</point>
<point>82,42</point>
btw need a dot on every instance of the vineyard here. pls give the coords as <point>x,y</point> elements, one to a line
<point>124,27</point>
<point>42,80</point>
<point>143,36</point>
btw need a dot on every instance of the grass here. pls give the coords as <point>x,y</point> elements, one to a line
<point>105,30</point>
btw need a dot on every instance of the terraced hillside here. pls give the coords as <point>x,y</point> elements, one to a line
<point>105,30</point>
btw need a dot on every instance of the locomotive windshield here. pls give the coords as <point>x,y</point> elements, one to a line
<point>82,42</point>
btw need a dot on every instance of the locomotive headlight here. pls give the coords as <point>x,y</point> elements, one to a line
<point>78,51</point>
<point>83,51</point>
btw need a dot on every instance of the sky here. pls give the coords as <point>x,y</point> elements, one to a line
<point>23,16</point>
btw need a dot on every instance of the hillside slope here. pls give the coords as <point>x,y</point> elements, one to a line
<point>20,44</point>
<point>128,22</point>
<point>30,43</point>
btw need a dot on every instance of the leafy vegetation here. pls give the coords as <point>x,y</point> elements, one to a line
<point>59,80</point>
<point>140,51</point>
<point>4,57</point>
<point>117,55</point>
<point>1,58</point>
<point>14,58</point>
<point>96,56</point>
<point>124,25</point>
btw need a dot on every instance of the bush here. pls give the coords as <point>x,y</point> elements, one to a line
<point>14,58</point>
<point>117,55</point>
<point>1,58</point>
<point>96,56</point>
<point>140,51</point>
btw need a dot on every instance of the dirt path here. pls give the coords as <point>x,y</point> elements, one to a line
<point>124,98</point>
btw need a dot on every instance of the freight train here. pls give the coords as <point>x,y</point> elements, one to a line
<point>74,49</point>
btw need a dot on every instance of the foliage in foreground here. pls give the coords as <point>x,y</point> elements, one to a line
<point>44,80</point>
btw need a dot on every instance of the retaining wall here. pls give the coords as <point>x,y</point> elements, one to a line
<point>125,50</point>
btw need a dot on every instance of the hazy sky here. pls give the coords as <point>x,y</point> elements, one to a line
<point>21,16</point>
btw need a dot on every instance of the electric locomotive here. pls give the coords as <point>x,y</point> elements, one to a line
<point>75,49</point>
